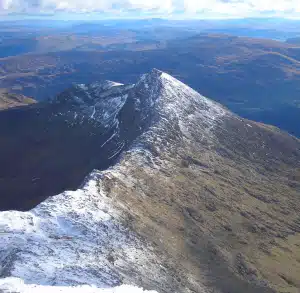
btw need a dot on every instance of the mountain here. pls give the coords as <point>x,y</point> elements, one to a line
<point>256,78</point>
<point>9,100</point>
<point>294,40</point>
<point>191,198</point>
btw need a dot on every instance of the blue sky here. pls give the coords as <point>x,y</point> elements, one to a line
<point>159,8</point>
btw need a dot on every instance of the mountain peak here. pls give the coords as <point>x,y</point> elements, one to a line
<point>156,71</point>
<point>173,102</point>
<point>156,94</point>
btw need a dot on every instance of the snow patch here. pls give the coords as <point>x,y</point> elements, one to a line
<point>93,114</point>
<point>82,86</point>
<point>114,134</point>
<point>105,85</point>
<point>17,285</point>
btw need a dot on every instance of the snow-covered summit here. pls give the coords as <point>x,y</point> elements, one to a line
<point>157,101</point>
<point>103,101</point>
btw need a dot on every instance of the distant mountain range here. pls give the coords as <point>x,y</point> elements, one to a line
<point>191,197</point>
<point>256,78</point>
<point>293,40</point>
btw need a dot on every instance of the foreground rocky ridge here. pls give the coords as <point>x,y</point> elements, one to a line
<point>200,200</point>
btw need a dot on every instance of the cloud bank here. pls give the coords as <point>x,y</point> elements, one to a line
<point>162,7</point>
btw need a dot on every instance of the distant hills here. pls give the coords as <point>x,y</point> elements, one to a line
<point>256,78</point>
<point>293,41</point>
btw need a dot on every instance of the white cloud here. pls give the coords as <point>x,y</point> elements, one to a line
<point>213,7</point>
<point>242,7</point>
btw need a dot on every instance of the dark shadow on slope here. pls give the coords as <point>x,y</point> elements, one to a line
<point>42,155</point>
<point>51,147</point>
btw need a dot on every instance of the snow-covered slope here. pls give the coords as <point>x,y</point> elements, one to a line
<point>18,285</point>
<point>74,238</point>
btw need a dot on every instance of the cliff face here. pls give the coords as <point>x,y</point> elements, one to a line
<point>196,199</point>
